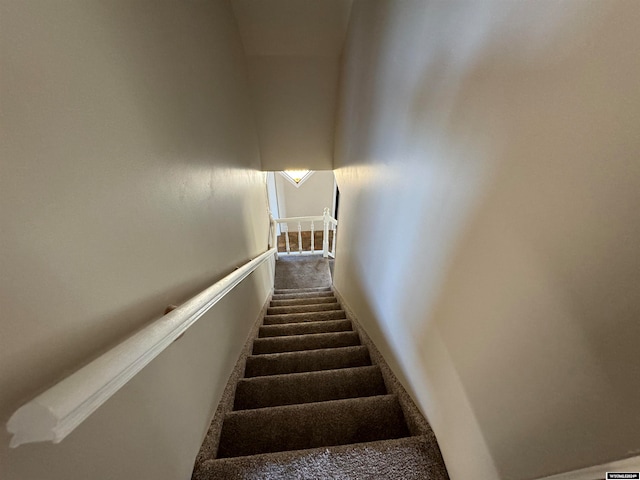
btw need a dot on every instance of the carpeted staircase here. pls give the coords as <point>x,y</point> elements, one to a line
<point>312,404</point>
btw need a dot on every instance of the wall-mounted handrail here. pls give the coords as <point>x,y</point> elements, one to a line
<point>52,415</point>
<point>329,223</point>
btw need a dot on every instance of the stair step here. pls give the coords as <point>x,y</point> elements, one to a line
<point>302,290</point>
<point>274,390</point>
<point>306,361</point>
<point>313,307</point>
<point>289,296</point>
<point>406,458</point>
<point>311,425</point>
<point>304,328</point>
<point>304,317</point>
<point>303,301</point>
<point>313,341</point>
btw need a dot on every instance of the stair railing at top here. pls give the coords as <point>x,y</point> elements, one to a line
<point>329,223</point>
<point>52,415</point>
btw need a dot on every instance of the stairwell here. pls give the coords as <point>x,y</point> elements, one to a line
<point>312,398</point>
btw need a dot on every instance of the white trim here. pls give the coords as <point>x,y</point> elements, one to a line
<point>317,218</point>
<point>335,193</point>
<point>58,411</point>
<point>598,471</point>
<point>304,178</point>
<point>272,197</point>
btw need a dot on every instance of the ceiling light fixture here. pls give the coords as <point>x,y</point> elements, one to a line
<point>297,177</point>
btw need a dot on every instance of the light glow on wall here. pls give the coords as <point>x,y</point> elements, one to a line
<point>297,177</point>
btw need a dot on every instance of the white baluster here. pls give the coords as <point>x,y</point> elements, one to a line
<point>333,241</point>
<point>313,239</point>
<point>325,233</point>
<point>285,231</point>
<point>299,237</point>
<point>273,233</point>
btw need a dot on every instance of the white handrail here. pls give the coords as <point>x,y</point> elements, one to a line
<point>54,414</point>
<point>317,218</point>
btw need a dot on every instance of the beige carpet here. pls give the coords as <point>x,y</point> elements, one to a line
<point>311,397</point>
<point>302,271</point>
<point>401,459</point>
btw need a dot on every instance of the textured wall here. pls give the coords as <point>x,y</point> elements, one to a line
<point>493,146</point>
<point>129,179</point>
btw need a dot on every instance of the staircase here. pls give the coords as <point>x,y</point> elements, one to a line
<point>312,404</point>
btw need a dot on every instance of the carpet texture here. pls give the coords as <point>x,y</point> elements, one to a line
<point>311,397</point>
<point>400,459</point>
<point>343,325</point>
<point>310,425</point>
<point>307,387</point>
<point>309,361</point>
<point>302,271</point>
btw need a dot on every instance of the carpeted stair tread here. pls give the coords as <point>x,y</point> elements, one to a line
<point>407,458</point>
<point>309,407</point>
<point>308,387</point>
<point>306,361</point>
<point>310,425</point>
<point>290,296</point>
<point>312,307</point>
<point>302,301</point>
<point>313,341</point>
<point>302,290</point>
<point>304,317</point>
<point>302,271</point>
<point>303,328</point>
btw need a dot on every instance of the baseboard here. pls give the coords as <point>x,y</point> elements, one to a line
<point>598,472</point>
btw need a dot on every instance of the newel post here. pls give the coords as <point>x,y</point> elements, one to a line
<point>313,239</point>
<point>273,230</point>
<point>325,233</point>
<point>271,236</point>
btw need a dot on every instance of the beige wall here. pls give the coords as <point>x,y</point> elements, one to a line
<point>295,105</point>
<point>310,198</point>
<point>487,159</point>
<point>129,180</point>
<point>293,50</point>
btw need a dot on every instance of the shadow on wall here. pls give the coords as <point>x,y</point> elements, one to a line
<point>178,73</point>
<point>42,358</point>
<point>146,191</point>
<point>500,165</point>
<point>167,402</point>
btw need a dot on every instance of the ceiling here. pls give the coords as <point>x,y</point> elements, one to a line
<point>292,27</point>
<point>293,53</point>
